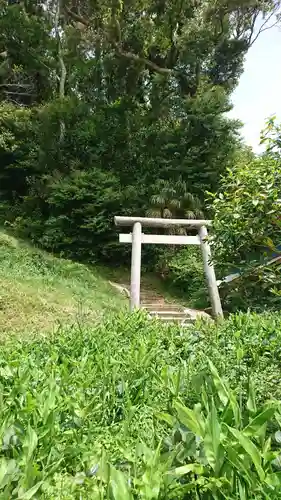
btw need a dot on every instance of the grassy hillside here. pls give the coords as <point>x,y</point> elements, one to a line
<point>38,292</point>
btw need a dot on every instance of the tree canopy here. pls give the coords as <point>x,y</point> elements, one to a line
<point>104,101</point>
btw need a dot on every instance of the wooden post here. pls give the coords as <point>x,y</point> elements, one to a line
<point>210,274</point>
<point>136,266</point>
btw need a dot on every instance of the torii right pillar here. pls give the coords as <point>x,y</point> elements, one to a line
<point>210,274</point>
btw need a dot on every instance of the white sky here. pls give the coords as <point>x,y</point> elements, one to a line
<point>258,94</point>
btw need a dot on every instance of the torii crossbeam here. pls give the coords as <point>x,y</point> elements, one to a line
<point>137,238</point>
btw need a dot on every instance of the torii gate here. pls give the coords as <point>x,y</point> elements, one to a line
<point>137,238</point>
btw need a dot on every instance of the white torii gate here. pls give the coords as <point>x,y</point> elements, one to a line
<point>137,238</point>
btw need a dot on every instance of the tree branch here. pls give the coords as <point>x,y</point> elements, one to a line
<point>254,18</point>
<point>142,60</point>
<point>126,54</point>
<point>77,17</point>
<point>19,93</point>
<point>62,78</point>
<point>264,27</point>
<point>23,85</point>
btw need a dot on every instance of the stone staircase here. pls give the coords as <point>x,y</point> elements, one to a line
<point>157,307</point>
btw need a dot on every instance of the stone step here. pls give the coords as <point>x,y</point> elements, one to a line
<point>161,306</point>
<point>172,319</point>
<point>196,314</point>
<point>146,298</point>
<point>156,306</point>
<point>151,298</point>
<point>167,313</point>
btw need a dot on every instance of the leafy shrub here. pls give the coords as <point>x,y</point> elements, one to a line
<point>72,393</point>
<point>186,270</point>
<point>256,290</point>
<point>247,227</point>
<point>246,212</point>
<point>65,194</point>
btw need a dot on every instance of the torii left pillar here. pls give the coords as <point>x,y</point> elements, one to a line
<point>136,266</point>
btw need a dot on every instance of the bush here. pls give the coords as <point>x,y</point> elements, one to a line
<point>246,212</point>
<point>256,290</point>
<point>65,194</point>
<point>67,396</point>
<point>247,229</point>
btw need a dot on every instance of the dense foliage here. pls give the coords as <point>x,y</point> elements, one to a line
<point>246,224</point>
<point>246,212</point>
<point>102,101</point>
<point>121,393</point>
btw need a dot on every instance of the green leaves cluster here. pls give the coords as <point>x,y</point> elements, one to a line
<point>119,98</point>
<point>184,275</point>
<point>247,230</point>
<point>67,194</point>
<point>246,210</point>
<point>69,395</point>
<point>88,411</point>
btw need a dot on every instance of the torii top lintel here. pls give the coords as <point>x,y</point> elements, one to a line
<point>160,222</point>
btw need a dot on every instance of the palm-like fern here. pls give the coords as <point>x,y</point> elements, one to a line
<point>174,201</point>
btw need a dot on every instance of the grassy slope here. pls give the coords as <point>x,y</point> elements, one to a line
<point>39,292</point>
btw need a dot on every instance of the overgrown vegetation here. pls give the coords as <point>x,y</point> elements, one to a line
<point>120,107</point>
<point>118,393</point>
<point>246,226</point>
<point>111,107</point>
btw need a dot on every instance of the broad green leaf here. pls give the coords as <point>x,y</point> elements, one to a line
<point>30,442</point>
<point>239,353</point>
<point>169,419</point>
<point>242,491</point>
<point>150,484</point>
<point>250,449</point>
<point>237,462</point>
<point>223,391</point>
<point>119,485</point>
<point>190,419</point>
<point>212,438</point>
<point>269,457</point>
<point>7,468</point>
<point>251,402</point>
<point>267,446</point>
<point>186,469</point>
<point>274,479</point>
<point>31,492</point>
<point>227,415</point>
<point>256,425</point>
